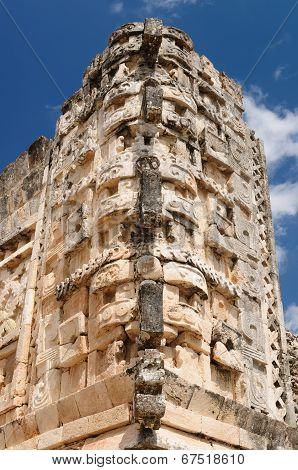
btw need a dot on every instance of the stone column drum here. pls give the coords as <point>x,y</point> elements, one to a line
<point>139,303</point>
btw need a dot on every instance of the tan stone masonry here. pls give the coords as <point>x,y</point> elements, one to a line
<point>139,294</point>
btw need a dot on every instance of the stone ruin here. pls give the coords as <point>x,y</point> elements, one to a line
<point>140,305</point>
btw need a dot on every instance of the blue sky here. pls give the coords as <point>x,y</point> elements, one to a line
<point>66,34</point>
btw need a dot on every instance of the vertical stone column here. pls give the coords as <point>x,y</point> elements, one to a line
<point>149,403</point>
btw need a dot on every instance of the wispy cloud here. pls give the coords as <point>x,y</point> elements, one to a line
<point>280,230</point>
<point>277,127</point>
<point>281,41</point>
<point>117,7</point>
<point>278,72</point>
<point>284,199</point>
<point>281,254</point>
<point>291,318</point>
<point>167,4</point>
<point>55,107</point>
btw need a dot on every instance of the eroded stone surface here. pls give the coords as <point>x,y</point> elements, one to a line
<point>139,300</point>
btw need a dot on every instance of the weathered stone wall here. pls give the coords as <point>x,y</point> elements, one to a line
<point>292,341</point>
<point>141,304</point>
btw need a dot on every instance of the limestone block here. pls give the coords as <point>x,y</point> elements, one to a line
<point>177,172</point>
<point>47,360</point>
<point>182,99</point>
<point>230,359</point>
<point>251,441</point>
<point>149,267</point>
<point>111,361</point>
<point>30,425</point>
<point>30,444</point>
<point>50,305</point>
<point>48,284</point>
<point>170,295</point>
<point>93,399</point>
<point>249,276</point>
<point>150,191</point>
<point>196,344</point>
<point>73,353</point>
<point>78,227</point>
<point>78,302</point>
<point>224,310</point>
<point>185,276</point>
<point>113,171</point>
<point>112,274</point>
<point>241,190</point>
<point>2,440</point>
<point>186,365</point>
<point>150,376</point>
<point>206,403</point>
<point>68,409</point>
<point>215,150</point>
<point>47,389</point>
<point>23,343</point>
<point>180,418</point>
<point>245,230</point>
<point>72,328</point>
<point>179,206</point>
<point>48,334</point>
<point>47,418</point>
<point>230,337</point>
<point>253,330</point>
<point>74,379</point>
<point>149,409</point>
<point>10,439</point>
<point>152,103</point>
<point>97,423</point>
<point>117,203</point>
<point>168,438</point>
<point>51,439</point>
<point>184,317</point>
<point>220,431</point>
<point>170,333</point>
<point>115,116</point>
<point>18,431</point>
<point>241,158</point>
<point>117,439</point>
<point>123,89</point>
<point>18,384</point>
<point>151,317</point>
<point>103,341</point>
<point>120,389</point>
<point>112,315</point>
<point>258,390</point>
<point>152,38</point>
<point>132,329</point>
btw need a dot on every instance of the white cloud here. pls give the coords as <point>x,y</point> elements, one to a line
<point>284,199</point>
<point>280,229</point>
<point>281,254</point>
<point>117,7</point>
<point>277,127</point>
<point>166,4</point>
<point>55,107</point>
<point>291,318</point>
<point>281,41</point>
<point>278,72</point>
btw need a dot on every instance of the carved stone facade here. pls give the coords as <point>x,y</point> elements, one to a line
<point>293,361</point>
<point>139,302</point>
